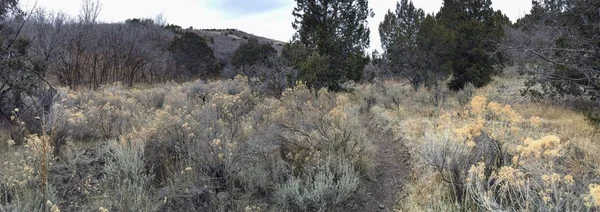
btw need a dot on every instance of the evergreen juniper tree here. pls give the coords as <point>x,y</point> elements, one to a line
<point>398,33</point>
<point>478,29</point>
<point>253,53</point>
<point>193,56</point>
<point>335,32</point>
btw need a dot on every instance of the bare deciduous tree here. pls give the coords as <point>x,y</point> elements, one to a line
<point>89,11</point>
<point>558,45</point>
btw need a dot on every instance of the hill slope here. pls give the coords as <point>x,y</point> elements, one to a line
<point>224,42</point>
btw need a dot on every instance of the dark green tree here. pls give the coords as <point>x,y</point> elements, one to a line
<point>174,28</point>
<point>337,30</point>
<point>295,53</point>
<point>141,21</point>
<point>316,70</point>
<point>436,46</point>
<point>398,33</point>
<point>252,53</point>
<point>478,29</point>
<point>313,68</point>
<point>193,56</point>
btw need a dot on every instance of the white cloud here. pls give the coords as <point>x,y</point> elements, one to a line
<point>275,23</point>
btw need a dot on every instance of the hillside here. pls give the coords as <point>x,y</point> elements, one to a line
<point>224,42</point>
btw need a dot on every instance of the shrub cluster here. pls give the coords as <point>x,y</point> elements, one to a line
<point>221,146</point>
<point>215,146</point>
<point>499,160</point>
<point>472,153</point>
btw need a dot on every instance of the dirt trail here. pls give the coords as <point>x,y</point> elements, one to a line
<point>392,172</point>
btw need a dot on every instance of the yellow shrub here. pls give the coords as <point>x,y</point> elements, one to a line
<point>548,146</point>
<point>595,194</point>
<point>478,105</point>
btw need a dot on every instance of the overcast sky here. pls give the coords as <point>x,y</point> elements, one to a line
<point>267,18</point>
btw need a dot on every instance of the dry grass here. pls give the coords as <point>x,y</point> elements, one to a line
<point>214,146</point>
<point>219,146</point>
<point>441,134</point>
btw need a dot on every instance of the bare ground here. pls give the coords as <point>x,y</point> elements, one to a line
<point>392,172</point>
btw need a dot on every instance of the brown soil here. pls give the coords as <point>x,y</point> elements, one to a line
<point>392,172</point>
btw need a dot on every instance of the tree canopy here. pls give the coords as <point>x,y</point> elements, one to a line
<point>335,33</point>
<point>193,56</point>
<point>478,29</point>
<point>461,40</point>
<point>398,33</point>
<point>253,53</point>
